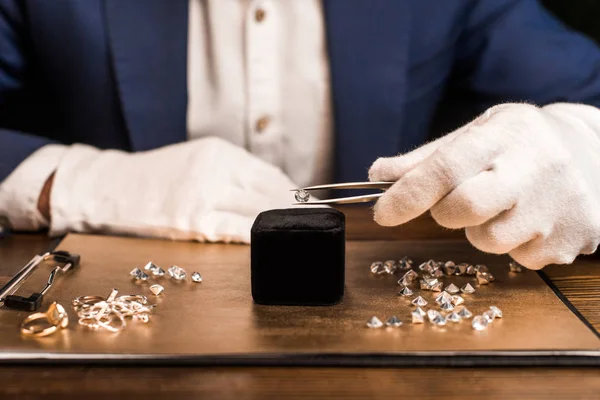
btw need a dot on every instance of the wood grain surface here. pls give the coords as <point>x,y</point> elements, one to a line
<point>579,283</point>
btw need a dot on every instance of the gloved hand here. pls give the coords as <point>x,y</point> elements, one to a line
<point>206,189</point>
<point>522,180</point>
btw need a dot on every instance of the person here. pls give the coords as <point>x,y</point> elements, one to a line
<point>183,119</point>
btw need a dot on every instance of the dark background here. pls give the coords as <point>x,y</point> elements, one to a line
<point>583,15</point>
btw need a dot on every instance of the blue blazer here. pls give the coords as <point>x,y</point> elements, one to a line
<point>112,73</point>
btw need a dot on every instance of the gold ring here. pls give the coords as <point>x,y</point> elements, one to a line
<point>44,324</point>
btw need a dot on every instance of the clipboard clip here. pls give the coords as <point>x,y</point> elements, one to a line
<point>34,301</point>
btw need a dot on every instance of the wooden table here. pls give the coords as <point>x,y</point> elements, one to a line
<point>580,285</point>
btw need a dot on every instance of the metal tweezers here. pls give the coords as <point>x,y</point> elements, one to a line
<point>346,200</point>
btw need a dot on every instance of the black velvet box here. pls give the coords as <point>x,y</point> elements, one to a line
<point>298,257</point>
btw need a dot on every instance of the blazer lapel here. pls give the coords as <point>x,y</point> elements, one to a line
<point>368,52</point>
<point>149,54</point>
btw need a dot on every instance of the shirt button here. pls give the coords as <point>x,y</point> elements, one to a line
<point>259,15</point>
<point>262,124</point>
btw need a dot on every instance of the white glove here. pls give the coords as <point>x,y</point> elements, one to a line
<point>522,180</point>
<point>206,189</point>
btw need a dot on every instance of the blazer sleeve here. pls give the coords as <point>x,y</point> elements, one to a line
<point>14,146</point>
<point>515,50</point>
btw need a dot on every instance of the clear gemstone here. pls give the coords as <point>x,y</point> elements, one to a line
<point>410,275</point>
<point>301,196</point>
<point>465,313</point>
<point>468,289</point>
<point>150,266</point>
<point>425,267</point>
<point>374,322</point>
<point>423,284</point>
<point>156,289</point>
<point>417,317</point>
<point>515,267</point>
<point>177,273</point>
<point>158,272</point>
<point>196,277</point>
<point>135,272</point>
<point>405,292</point>
<point>461,269</point>
<point>449,268</point>
<point>439,321</point>
<point>377,268</point>
<point>404,282</point>
<point>419,301</point>
<point>438,273</point>
<point>471,270</point>
<point>482,268</point>
<point>447,306</point>
<point>430,281</point>
<point>420,311</point>
<point>443,297</point>
<point>452,288</point>
<point>457,300</point>
<point>142,276</point>
<point>393,322</point>
<point>479,323</point>
<point>405,264</point>
<point>484,278</point>
<point>437,287</point>
<point>453,317</point>
<point>390,266</point>
<point>432,314</point>
<point>489,315</point>
<point>497,312</point>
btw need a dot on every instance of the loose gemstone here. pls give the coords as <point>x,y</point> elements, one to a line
<point>177,273</point>
<point>449,268</point>
<point>471,270</point>
<point>453,317</point>
<point>377,268</point>
<point>437,287</point>
<point>158,272</point>
<point>432,314</point>
<point>479,323</point>
<point>423,284</point>
<point>135,272</point>
<point>405,263</point>
<point>465,313</point>
<point>301,196</point>
<point>515,267</point>
<point>435,317</point>
<point>374,322</point>
<point>447,306</point>
<point>468,289</point>
<point>410,275</point>
<point>484,278</point>
<point>457,300</point>
<point>452,288</point>
<point>489,315</point>
<point>390,266</point>
<point>419,301</point>
<point>156,289</point>
<point>443,297</point>
<point>393,322</point>
<point>430,281</point>
<point>196,277</point>
<point>439,321</point>
<point>405,292</point>
<point>481,268</point>
<point>438,273</point>
<point>417,316</point>
<point>461,269</point>
<point>141,275</point>
<point>497,312</point>
<point>150,266</point>
<point>404,282</point>
<point>426,267</point>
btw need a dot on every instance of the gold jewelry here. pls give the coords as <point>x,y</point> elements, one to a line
<point>44,324</point>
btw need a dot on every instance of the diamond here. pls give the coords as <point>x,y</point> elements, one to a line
<point>437,287</point>
<point>301,196</point>
<point>410,275</point>
<point>453,317</point>
<point>482,268</point>
<point>468,289</point>
<point>377,268</point>
<point>443,297</point>
<point>420,311</point>
<point>452,288</point>
<point>461,269</point>
<point>479,323</point>
<point>426,267</point>
<point>438,273</point>
<point>419,301</point>
<point>471,270</point>
<point>150,266</point>
<point>156,289</point>
<point>404,282</point>
<point>177,273</point>
<point>135,272</point>
<point>374,322</point>
<point>196,277</point>
<point>484,278</point>
<point>515,267</point>
<point>405,263</point>
<point>405,292</point>
<point>457,300</point>
<point>497,312</point>
<point>489,315</point>
<point>158,272</point>
<point>436,318</point>
<point>447,306</point>
<point>423,284</point>
<point>139,275</point>
<point>417,316</point>
<point>430,281</point>
<point>432,314</point>
<point>390,266</point>
<point>393,322</point>
<point>465,313</point>
<point>449,268</point>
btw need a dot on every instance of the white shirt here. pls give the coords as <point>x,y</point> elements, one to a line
<point>258,76</point>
